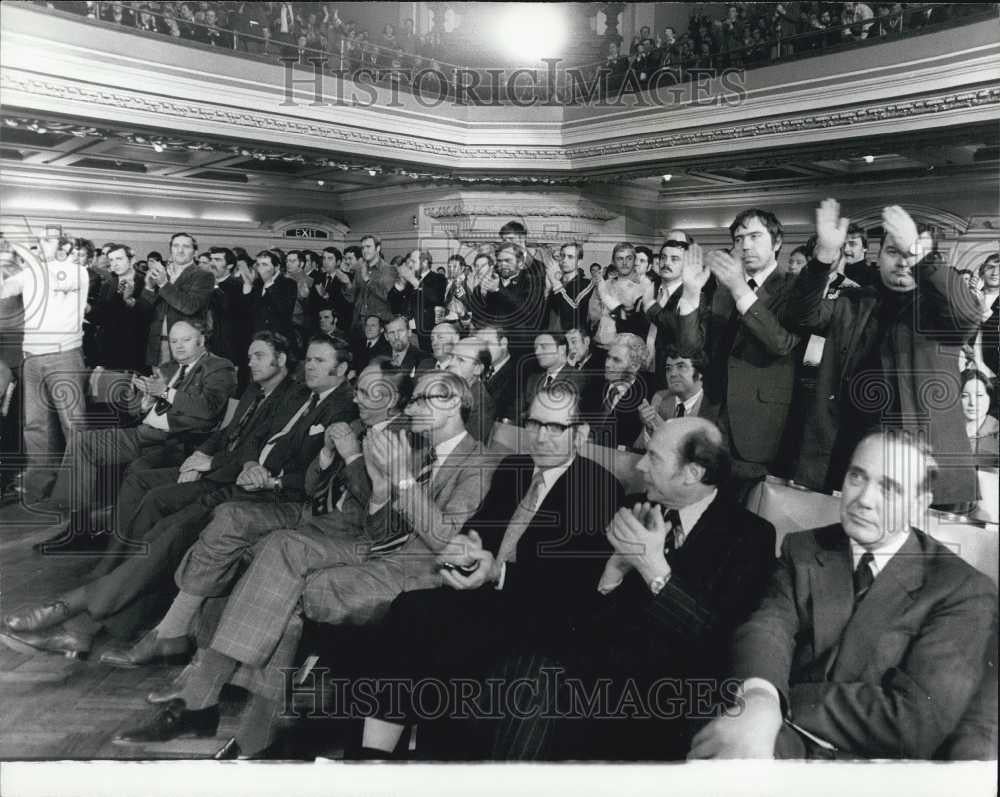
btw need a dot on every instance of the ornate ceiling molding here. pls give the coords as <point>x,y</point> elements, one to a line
<point>516,208</point>
<point>24,87</point>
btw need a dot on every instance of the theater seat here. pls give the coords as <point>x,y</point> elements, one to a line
<point>791,507</point>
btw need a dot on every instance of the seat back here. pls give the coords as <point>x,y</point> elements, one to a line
<point>791,507</point>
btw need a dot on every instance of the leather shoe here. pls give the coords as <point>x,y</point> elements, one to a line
<point>150,650</point>
<point>172,721</point>
<point>35,618</point>
<point>173,689</point>
<point>68,643</point>
<point>230,751</point>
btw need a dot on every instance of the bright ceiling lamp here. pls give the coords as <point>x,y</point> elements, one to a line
<point>533,30</point>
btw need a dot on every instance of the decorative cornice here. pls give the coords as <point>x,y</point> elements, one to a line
<point>253,122</point>
<point>461,209</point>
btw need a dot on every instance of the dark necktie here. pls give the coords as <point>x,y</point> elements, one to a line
<point>753,284</point>
<point>162,405</point>
<point>673,519</point>
<point>679,412</point>
<point>863,576</point>
<point>244,420</point>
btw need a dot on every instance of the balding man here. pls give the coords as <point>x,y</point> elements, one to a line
<point>688,565</point>
<point>443,338</point>
<point>470,359</point>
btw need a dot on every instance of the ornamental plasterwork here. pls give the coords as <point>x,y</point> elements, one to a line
<point>515,209</point>
<point>547,155</point>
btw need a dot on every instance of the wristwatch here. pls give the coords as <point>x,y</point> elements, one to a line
<point>405,484</point>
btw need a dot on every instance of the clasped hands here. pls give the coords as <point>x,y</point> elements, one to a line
<point>255,477</point>
<point>638,536</point>
<point>467,551</point>
<point>152,386</point>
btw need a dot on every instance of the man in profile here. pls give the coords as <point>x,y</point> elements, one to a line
<point>872,638</point>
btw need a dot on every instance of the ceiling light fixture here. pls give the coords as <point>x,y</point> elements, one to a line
<point>667,178</point>
<point>321,182</point>
<point>157,146</point>
<point>868,158</point>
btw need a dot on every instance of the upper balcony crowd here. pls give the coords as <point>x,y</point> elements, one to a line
<point>748,35</point>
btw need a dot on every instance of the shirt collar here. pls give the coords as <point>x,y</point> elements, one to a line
<point>193,362</point>
<point>551,475</point>
<point>689,404</point>
<point>443,449</point>
<point>761,276</point>
<point>271,281</point>
<point>325,393</point>
<point>498,365</point>
<point>691,514</point>
<point>882,555</point>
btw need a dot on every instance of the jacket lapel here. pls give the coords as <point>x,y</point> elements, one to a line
<point>831,584</point>
<point>891,594</point>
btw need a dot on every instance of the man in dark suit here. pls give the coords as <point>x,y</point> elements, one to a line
<point>512,295</point>
<point>502,378</point>
<point>403,356</point>
<point>443,338</point>
<point>551,356</point>
<point>171,515</point>
<point>417,292</point>
<point>685,570</point>
<point>374,344</point>
<point>332,288</point>
<point>611,406</point>
<point>269,297</point>
<point>416,507</point>
<point>230,330</point>
<point>884,667</point>
<point>177,291</point>
<point>470,359</point>
<point>582,355</point>
<point>684,396</point>
<point>180,402</point>
<point>751,363</point>
<point>121,313</point>
<point>883,341</point>
<point>533,554</point>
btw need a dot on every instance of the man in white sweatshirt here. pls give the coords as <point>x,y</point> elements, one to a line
<point>53,288</point>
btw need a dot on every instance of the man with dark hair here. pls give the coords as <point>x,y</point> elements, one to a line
<point>499,575</point>
<point>662,312</point>
<point>687,565</point>
<point>512,295</point>
<point>501,379</point>
<point>414,510</point>
<point>376,280</point>
<point>531,282</point>
<point>856,265</point>
<point>269,296</point>
<point>230,330</point>
<point>618,301</point>
<point>373,345</point>
<point>683,396</point>
<point>470,358</point>
<point>570,289</point>
<point>553,371</point>
<point>582,356</point>
<point>332,287</point>
<point>884,338</point>
<point>121,314</point>
<point>984,343</point>
<point>267,464</point>
<point>872,638</point>
<point>418,293</point>
<point>176,291</point>
<point>751,362</point>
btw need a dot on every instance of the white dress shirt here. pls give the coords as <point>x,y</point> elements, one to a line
<point>160,421</point>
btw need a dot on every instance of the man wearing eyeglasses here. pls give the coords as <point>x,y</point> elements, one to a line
<point>418,502</point>
<point>532,556</point>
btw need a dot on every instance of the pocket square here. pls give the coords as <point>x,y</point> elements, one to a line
<point>316,428</point>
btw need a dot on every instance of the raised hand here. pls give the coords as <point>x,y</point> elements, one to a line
<point>728,271</point>
<point>487,568</point>
<point>899,226</point>
<point>694,273</point>
<point>831,232</point>
<point>650,418</point>
<point>340,438</point>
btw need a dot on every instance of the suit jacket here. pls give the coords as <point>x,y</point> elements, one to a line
<point>925,338</point>
<point>518,307</point>
<point>560,556</point>
<point>349,480</point>
<point>426,517</point>
<point>293,452</point>
<point>121,329</point>
<point>411,360</point>
<point>419,303</point>
<point>230,328</point>
<point>271,309</point>
<point>230,448</point>
<point>622,425</point>
<point>187,297</point>
<point>483,413</point>
<point>503,386</point>
<point>202,398</point>
<point>751,364</point>
<point>364,355</point>
<point>891,680</point>
<point>327,292</point>
<point>568,376</point>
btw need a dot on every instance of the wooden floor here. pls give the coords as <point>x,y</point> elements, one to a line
<point>59,708</point>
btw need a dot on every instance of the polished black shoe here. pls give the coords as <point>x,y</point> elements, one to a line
<point>35,618</point>
<point>173,721</point>
<point>68,643</point>
<point>151,650</point>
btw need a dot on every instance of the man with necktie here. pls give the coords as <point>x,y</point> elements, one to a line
<point>611,405</point>
<point>872,638</point>
<point>531,558</point>
<point>688,565</point>
<point>751,356</point>
<point>552,358</point>
<point>171,515</point>
<point>183,399</point>
<point>683,397</point>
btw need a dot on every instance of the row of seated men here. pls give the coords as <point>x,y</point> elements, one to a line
<point>607,626</point>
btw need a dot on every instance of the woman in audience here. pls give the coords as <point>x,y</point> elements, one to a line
<point>981,427</point>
